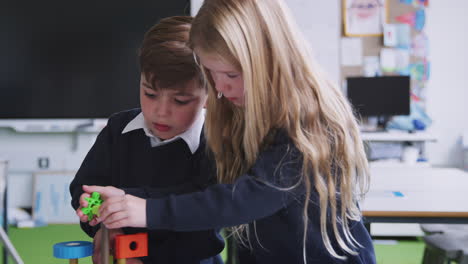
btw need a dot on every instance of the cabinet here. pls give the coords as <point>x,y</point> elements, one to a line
<point>393,144</point>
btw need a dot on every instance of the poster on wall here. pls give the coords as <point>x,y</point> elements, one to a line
<point>364,17</point>
<point>52,199</point>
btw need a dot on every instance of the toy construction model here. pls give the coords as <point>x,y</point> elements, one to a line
<point>94,202</point>
<point>73,250</point>
<point>126,246</point>
<point>130,246</point>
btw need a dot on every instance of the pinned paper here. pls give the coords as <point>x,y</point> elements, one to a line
<point>407,2</point>
<point>419,3</point>
<point>390,35</point>
<point>372,66</point>
<point>388,60</point>
<point>407,18</point>
<point>397,35</point>
<point>418,91</point>
<point>420,71</point>
<point>415,19</point>
<point>420,19</point>
<point>351,51</point>
<point>402,59</point>
<point>420,45</point>
<point>364,18</point>
<point>403,36</point>
<point>416,3</point>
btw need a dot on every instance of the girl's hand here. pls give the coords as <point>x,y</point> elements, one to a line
<point>123,211</point>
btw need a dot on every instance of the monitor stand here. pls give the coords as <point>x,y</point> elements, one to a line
<point>382,123</point>
<point>378,125</point>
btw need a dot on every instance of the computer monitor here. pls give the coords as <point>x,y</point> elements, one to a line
<point>382,96</point>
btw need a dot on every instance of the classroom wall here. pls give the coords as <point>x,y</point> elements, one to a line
<point>23,151</point>
<point>447,95</point>
<point>320,22</point>
<point>447,89</point>
<point>447,92</point>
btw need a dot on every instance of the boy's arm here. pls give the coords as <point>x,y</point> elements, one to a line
<point>95,169</point>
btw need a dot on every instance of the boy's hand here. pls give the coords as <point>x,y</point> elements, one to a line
<point>105,191</point>
<point>123,211</point>
<point>83,204</point>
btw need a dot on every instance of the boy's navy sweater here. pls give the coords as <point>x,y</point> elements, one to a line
<point>274,216</point>
<point>129,162</point>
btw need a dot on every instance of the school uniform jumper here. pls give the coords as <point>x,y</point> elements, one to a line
<point>123,156</point>
<point>274,216</point>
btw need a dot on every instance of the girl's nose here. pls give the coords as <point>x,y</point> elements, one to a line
<point>221,85</point>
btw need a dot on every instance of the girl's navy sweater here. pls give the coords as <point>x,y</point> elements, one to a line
<point>275,220</point>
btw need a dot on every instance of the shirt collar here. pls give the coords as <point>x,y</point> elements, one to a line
<point>191,136</point>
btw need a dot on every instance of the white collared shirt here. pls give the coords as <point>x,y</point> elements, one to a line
<point>191,136</point>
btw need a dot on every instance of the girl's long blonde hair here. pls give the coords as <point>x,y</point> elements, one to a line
<point>284,89</point>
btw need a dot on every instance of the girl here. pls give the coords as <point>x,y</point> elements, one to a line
<point>290,162</point>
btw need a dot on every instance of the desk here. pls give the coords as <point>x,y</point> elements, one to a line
<point>428,195</point>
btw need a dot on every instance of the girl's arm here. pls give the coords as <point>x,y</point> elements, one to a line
<point>255,195</point>
<point>251,197</point>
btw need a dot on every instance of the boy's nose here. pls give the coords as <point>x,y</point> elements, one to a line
<point>163,109</point>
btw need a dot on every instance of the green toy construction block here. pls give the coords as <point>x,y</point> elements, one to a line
<point>94,202</point>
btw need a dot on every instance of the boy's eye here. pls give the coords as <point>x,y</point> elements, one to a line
<point>150,95</point>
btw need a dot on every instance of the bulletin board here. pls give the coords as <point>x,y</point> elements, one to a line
<point>52,199</point>
<point>407,12</point>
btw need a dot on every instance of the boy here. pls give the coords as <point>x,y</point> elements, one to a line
<point>138,149</point>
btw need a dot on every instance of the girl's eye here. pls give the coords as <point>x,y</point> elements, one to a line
<point>181,102</point>
<point>232,75</point>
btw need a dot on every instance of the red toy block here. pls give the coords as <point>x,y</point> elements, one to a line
<point>131,246</point>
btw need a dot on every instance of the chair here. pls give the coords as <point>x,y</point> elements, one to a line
<point>429,229</point>
<point>446,247</point>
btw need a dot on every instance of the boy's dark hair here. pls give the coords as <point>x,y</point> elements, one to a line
<point>166,59</point>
